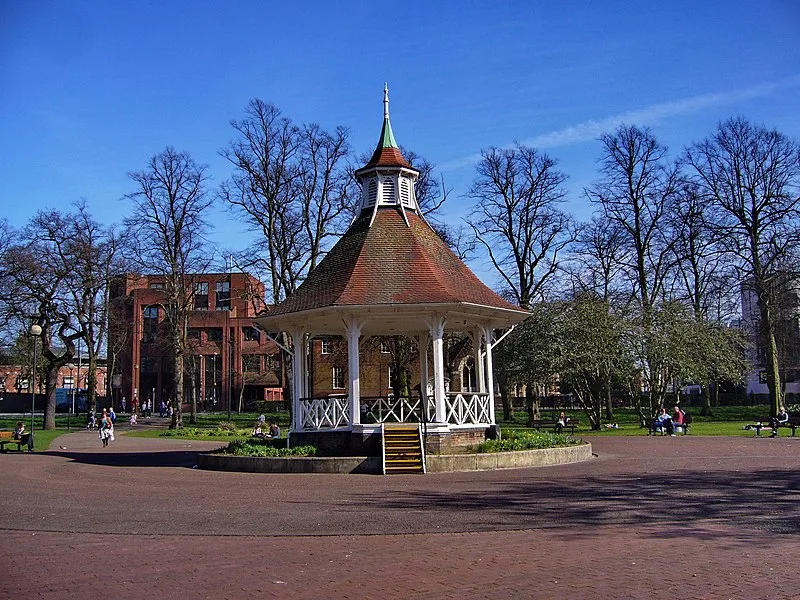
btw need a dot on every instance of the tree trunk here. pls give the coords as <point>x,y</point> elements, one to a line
<point>508,407</point>
<point>531,404</point>
<point>706,410</point>
<point>177,393</point>
<point>51,382</point>
<point>609,402</point>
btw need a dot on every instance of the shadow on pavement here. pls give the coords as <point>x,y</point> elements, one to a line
<point>173,458</point>
<point>768,502</point>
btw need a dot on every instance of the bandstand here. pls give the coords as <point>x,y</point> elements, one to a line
<point>390,274</point>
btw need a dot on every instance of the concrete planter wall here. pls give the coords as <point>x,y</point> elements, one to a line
<point>437,463</point>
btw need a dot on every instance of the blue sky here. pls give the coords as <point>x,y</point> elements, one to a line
<point>89,90</point>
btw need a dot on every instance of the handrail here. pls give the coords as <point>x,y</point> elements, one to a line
<point>383,448</point>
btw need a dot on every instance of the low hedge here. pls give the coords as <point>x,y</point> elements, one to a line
<point>259,447</point>
<point>526,440</point>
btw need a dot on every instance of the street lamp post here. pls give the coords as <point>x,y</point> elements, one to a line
<point>35,332</point>
<point>71,366</point>
<point>214,377</point>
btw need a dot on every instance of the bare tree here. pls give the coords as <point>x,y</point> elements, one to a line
<point>289,184</point>
<point>169,208</point>
<point>751,177</point>
<point>635,192</point>
<point>517,217</point>
<point>595,259</point>
<point>88,253</point>
<point>33,292</point>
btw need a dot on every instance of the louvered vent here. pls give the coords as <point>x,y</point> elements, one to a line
<point>372,193</point>
<point>388,191</point>
<point>405,192</point>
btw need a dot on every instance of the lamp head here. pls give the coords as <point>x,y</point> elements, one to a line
<point>36,330</point>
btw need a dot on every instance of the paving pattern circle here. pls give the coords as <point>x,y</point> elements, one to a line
<point>655,517</point>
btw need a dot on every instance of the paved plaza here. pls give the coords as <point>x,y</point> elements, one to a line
<point>648,517</point>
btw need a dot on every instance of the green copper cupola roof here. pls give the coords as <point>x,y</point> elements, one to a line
<point>387,153</point>
<point>387,136</point>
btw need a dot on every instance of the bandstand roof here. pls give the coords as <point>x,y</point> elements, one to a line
<point>392,270</point>
<point>389,268</point>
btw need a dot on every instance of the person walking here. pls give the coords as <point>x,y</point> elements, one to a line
<point>106,429</point>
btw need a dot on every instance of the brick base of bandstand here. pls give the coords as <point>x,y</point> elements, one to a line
<point>436,463</point>
<point>368,442</point>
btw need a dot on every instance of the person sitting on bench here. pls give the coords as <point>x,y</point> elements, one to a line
<point>561,422</point>
<point>782,418</point>
<point>25,438</point>
<point>663,423</point>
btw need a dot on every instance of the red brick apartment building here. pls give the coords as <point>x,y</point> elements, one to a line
<point>229,360</point>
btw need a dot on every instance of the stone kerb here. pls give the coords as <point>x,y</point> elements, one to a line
<point>436,463</point>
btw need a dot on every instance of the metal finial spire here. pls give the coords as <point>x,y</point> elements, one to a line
<point>385,100</point>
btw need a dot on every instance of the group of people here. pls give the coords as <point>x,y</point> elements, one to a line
<point>667,423</point>
<point>262,431</point>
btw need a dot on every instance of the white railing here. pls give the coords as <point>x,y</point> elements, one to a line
<point>462,408</point>
<point>324,413</point>
<point>394,410</point>
<point>467,408</point>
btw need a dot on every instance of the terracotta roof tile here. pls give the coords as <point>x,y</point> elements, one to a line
<point>390,263</point>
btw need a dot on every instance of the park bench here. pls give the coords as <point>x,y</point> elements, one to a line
<point>653,429</point>
<point>7,437</point>
<point>793,423</point>
<point>538,424</point>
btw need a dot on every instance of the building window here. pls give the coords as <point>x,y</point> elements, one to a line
<point>149,365</point>
<point>390,377</point>
<point>384,348</point>
<point>150,325</point>
<point>327,346</point>
<point>201,295</point>
<point>2,384</point>
<point>223,295</point>
<point>251,363</point>
<point>214,334</point>
<point>338,378</point>
<point>69,381</point>
<point>272,362</point>
<point>193,333</point>
<point>22,383</point>
<point>251,334</point>
<point>156,285</point>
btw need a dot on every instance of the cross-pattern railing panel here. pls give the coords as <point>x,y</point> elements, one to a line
<point>394,410</point>
<point>324,413</point>
<point>467,408</point>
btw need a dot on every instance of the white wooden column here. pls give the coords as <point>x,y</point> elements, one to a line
<point>477,359</point>
<point>436,330</point>
<point>353,327</point>
<point>298,375</point>
<point>488,332</point>
<point>424,340</point>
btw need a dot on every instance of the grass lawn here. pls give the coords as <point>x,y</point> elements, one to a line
<point>726,420</point>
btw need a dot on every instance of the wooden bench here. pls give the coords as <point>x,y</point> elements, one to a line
<point>7,437</point>
<point>537,424</point>
<point>793,423</point>
<point>653,429</point>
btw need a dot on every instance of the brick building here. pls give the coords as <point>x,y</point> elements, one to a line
<point>229,363</point>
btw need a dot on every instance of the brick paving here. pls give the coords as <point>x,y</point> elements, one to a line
<point>138,521</point>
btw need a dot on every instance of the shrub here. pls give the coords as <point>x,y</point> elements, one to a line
<point>189,432</point>
<point>257,447</point>
<point>526,440</point>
